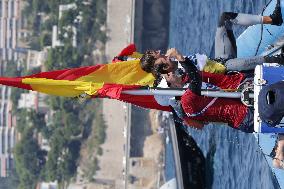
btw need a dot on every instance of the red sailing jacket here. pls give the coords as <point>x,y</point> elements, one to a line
<point>220,80</point>
<point>225,110</point>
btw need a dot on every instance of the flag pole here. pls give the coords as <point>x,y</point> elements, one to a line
<point>181,91</point>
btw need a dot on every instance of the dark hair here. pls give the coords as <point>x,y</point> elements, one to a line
<point>147,61</point>
<point>119,58</point>
<point>157,80</point>
<point>147,64</point>
<point>159,68</point>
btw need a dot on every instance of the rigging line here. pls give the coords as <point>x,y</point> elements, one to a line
<point>261,30</point>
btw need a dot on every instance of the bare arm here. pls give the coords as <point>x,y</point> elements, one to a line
<point>174,53</point>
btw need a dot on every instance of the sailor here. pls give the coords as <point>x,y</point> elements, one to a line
<point>175,78</point>
<point>161,65</point>
<point>231,111</point>
<point>225,46</point>
<point>225,42</point>
<point>196,110</point>
<point>207,109</point>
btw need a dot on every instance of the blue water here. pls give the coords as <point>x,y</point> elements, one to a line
<point>238,162</point>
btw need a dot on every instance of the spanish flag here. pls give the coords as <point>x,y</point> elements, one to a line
<point>129,51</point>
<point>99,81</point>
<point>89,80</point>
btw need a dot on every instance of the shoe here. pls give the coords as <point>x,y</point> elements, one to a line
<point>276,16</point>
<point>279,58</point>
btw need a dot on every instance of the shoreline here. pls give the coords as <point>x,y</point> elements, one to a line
<point>116,114</point>
<point>122,24</point>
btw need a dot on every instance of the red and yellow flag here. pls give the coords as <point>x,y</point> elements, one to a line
<point>106,80</point>
<point>99,81</point>
<point>84,80</point>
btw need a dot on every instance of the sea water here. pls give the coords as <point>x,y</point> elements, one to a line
<point>238,161</point>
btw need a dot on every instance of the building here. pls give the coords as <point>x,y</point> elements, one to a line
<point>7,132</point>
<point>10,15</point>
<point>9,26</point>
<point>36,58</point>
<point>10,50</point>
<point>55,32</point>
<point>66,7</point>
<point>33,100</point>
<point>47,185</point>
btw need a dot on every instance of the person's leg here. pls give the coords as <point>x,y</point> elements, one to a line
<point>244,64</point>
<point>225,42</point>
<point>225,46</point>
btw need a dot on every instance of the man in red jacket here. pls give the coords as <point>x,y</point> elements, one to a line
<point>208,109</point>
